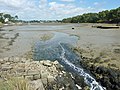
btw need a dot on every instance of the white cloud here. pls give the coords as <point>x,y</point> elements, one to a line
<point>99,4</point>
<point>96,3</point>
<point>67,10</point>
<point>42,9</point>
<point>43,3</point>
<point>68,0</point>
<point>13,3</point>
<point>22,8</point>
<point>56,6</point>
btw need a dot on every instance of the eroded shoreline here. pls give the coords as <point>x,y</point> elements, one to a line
<point>21,73</point>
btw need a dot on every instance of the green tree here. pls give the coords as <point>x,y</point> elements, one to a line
<point>16,17</point>
<point>112,16</point>
<point>10,18</point>
<point>7,16</point>
<point>1,18</point>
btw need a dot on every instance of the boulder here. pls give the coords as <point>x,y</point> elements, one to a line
<point>2,61</point>
<point>44,81</point>
<point>23,60</point>
<point>117,50</point>
<point>47,63</point>
<point>36,85</point>
<point>5,67</point>
<point>50,79</point>
<point>6,59</point>
<point>20,70</point>
<point>32,72</point>
<point>16,59</point>
<point>44,74</point>
<point>55,62</point>
<point>11,59</point>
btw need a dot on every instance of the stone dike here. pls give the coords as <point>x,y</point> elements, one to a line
<point>25,74</point>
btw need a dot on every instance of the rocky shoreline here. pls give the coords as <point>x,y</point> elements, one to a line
<point>101,67</point>
<point>15,72</point>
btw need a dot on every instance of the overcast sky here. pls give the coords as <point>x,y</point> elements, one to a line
<point>54,9</point>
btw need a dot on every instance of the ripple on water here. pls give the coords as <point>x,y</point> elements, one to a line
<point>59,48</point>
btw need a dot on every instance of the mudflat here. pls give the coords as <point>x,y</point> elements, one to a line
<point>100,53</point>
<point>18,40</point>
<point>97,42</point>
<point>98,48</point>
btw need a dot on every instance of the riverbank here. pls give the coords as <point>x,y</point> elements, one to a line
<point>20,73</point>
<point>103,64</point>
<point>100,53</point>
<point>13,67</point>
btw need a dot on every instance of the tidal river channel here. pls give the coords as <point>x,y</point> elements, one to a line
<point>54,45</point>
<point>60,48</point>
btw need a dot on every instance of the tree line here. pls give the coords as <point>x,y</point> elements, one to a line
<point>11,18</point>
<point>107,16</point>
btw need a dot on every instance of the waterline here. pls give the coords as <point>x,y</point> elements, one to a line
<point>94,85</point>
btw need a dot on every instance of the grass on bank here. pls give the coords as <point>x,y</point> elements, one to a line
<point>14,84</point>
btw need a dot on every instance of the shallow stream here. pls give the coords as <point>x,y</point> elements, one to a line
<point>60,48</point>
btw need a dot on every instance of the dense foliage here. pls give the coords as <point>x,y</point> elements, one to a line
<point>108,16</point>
<point>7,16</point>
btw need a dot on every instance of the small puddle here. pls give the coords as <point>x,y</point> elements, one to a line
<point>59,48</point>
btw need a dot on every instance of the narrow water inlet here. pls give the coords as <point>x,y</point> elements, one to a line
<point>94,85</point>
<point>58,48</point>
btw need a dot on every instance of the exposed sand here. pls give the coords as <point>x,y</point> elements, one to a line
<point>18,40</point>
<point>96,41</point>
<point>100,53</point>
<point>15,42</point>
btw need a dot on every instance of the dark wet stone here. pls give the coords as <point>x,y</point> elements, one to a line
<point>79,81</point>
<point>117,50</point>
<point>67,82</point>
<point>96,60</point>
<point>110,77</point>
<point>101,70</point>
<point>105,82</point>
